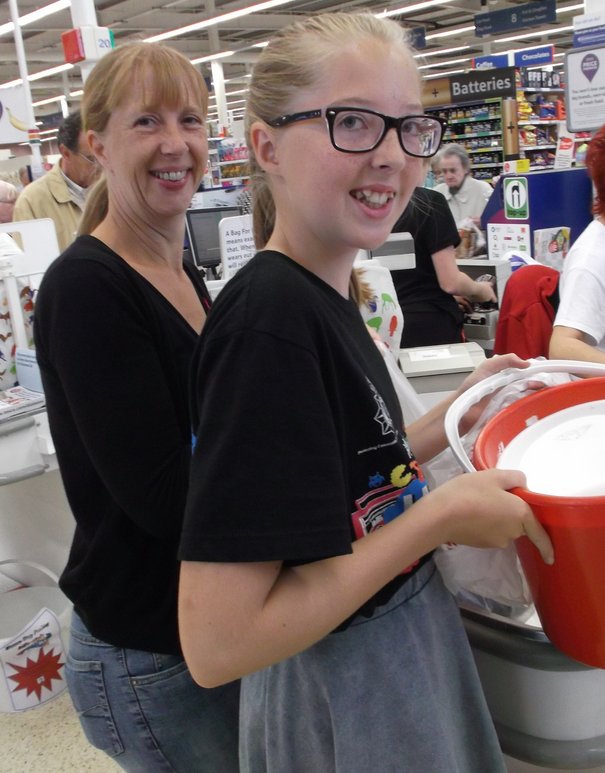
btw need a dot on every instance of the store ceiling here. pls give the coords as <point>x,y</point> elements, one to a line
<point>140,19</point>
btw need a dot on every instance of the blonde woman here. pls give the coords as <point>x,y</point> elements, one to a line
<point>308,534</point>
<point>117,318</point>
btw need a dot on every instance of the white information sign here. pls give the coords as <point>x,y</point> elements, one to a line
<point>13,116</point>
<point>237,243</point>
<point>504,237</point>
<point>585,88</point>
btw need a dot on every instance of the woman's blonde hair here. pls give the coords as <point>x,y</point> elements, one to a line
<point>173,80</point>
<point>296,58</point>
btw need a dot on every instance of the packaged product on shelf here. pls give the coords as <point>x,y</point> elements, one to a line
<point>551,245</point>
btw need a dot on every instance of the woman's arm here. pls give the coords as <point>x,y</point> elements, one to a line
<point>238,618</point>
<point>567,343</point>
<point>456,282</point>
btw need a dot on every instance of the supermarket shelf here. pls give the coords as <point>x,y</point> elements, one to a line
<point>538,121</point>
<point>472,135</point>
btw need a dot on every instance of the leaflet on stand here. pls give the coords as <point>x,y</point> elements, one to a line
<point>18,400</point>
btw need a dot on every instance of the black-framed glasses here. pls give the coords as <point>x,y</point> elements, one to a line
<point>357,130</point>
<point>90,159</point>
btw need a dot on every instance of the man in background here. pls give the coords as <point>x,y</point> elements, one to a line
<point>465,196</point>
<point>60,193</point>
<point>8,196</point>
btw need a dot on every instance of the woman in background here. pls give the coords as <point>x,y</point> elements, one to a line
<point>431,314</point>
<point>116,321</point>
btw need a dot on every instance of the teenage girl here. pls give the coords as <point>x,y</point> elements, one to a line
<point>309,529</point>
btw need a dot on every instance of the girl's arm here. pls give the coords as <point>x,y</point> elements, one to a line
<point>239,618</point>
<point>427,435</point>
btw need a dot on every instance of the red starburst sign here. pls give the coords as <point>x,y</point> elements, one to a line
<point>32,662</point>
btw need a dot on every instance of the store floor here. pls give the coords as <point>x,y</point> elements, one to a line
<point>49,740</point>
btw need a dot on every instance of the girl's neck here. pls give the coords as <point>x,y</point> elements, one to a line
<point>333,269</point>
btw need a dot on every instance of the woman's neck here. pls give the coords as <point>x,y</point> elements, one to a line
<point>141,244</point>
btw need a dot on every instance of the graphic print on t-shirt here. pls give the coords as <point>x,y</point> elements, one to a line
<point>383,418</point>
<point>395,481</point>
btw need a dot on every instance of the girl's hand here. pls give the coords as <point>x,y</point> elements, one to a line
<point>479,510</point>
<point>489,367</point>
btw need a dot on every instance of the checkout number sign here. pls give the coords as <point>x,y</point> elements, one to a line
<point>516,199</point>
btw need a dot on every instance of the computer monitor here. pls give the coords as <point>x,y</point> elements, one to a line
<point>203,234</point>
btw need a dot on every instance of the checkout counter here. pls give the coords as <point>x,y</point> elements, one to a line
<point>435,371</point>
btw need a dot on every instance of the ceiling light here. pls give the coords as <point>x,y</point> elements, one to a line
<point>445,64</point>
<point>37,75</point>
<point>440,52</point>
<point>449,33</point>
<point>218,20</point>
<point>28,18</point>
<point>412,8</point>
<point>442,74</point>
<point>212,57</point>
<point>539,33</point>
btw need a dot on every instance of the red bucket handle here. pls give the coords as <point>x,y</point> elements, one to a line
<point>489,385</point>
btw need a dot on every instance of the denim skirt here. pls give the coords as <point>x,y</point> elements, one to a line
<point>395,693</point>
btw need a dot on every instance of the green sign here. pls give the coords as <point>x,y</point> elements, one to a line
<point>516,199</point>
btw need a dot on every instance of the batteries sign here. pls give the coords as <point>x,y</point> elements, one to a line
<point>516,199</point>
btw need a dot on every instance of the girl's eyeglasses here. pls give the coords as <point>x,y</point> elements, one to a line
<point>356,130</point>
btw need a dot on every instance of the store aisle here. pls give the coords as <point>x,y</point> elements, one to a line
<point>48,740</point>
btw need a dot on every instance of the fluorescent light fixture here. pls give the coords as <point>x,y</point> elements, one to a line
<point>449,33</point>
<point>201,25</point>
<point>412,8</point>
<point>38,75</point>
<point>212,57</point>
<point>46,101</point>
<point>538,34</point>
<point>440,52</point>
<point>568,8</point>
<point>442,74</point>
<point>445,64</point>
<point>51,71</point>
<point>41,13</point>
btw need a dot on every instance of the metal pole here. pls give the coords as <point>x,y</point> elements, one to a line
<point>34,136</point>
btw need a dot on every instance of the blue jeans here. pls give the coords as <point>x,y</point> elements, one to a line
<point>145,711</point>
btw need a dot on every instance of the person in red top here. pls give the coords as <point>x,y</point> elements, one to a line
<point>527,312</point>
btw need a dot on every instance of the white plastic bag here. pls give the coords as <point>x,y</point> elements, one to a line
<point>492,573</point>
